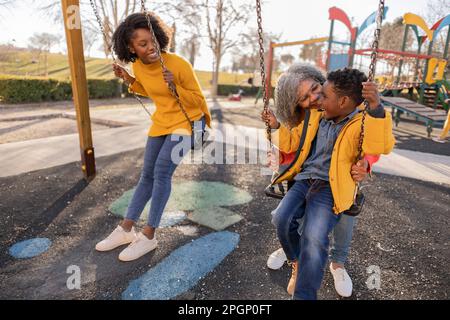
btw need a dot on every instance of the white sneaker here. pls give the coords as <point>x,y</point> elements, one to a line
<point>116,239</point>
<point>439,140</point>
<point>342,282</point>
<point>276,259</point>
<point>139,247</point>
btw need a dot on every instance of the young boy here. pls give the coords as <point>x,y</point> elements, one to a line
<point>324,187</point>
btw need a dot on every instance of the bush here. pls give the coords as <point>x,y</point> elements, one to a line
<point>103,89</point>
<point>23,90</point>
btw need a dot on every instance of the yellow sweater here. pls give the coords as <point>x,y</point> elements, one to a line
<point>378,139</point>
<point>168,117</point>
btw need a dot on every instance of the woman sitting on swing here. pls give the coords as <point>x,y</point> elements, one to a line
<point>295,82</point>
<point>303,82</point>
<point>133,42</point>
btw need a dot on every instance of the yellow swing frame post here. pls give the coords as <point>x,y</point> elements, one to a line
<point>72,25</point>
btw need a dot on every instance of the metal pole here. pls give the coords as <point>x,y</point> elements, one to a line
<point>269,71</point>
<point>416,70</point>
<point>444,56</point>
<point>430,51</point>
<point>352,49</point>
<point>330,41</point>
<point>405,38</point>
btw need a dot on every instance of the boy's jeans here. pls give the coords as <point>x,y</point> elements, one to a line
<point>313,200</point>
<point>341,238</point>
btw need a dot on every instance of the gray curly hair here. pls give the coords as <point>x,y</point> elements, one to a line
<point>286,100</point>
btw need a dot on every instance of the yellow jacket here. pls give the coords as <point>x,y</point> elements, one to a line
<point>168,116</point>
<point>378,139</point>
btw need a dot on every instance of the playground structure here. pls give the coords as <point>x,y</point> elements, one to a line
<point>432,88</point>
<point>430,85</point>
<point>427,87</point>
<point>429,116</point>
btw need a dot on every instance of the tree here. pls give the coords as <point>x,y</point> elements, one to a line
<point>42,43</point>
<point>311,52</point>
<point>190,48</point>
<point>246,53</point>
<point>392,39</point>
<point>90,37</point>
<point>5,4</point>
<point>437,9</point>
<point>223,17</point>
<point>217,22</point>
<point>287,58</point>
<point>111,13</point>
<point>187,15</point>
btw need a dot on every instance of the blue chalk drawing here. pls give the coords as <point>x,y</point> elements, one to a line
<point>183,268</point>
<point>171,218</point>
<point>30,248</point>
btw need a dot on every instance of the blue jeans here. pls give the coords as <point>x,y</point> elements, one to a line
<point>161,158</point>
<point>313,200</point>
<point>341,238</point>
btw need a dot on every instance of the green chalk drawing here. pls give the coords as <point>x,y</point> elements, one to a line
<point>215,218</point>
<point>196,196</point>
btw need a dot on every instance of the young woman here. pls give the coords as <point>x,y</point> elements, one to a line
<point>133,43</point>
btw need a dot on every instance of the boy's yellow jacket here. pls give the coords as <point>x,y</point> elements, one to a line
<point>378,139</point>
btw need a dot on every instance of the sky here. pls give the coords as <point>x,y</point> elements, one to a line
<point>294,19</point>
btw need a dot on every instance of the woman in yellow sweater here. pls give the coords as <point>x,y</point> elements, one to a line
<point>132,42</point>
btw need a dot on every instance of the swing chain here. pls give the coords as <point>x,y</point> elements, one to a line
<point>262,68</point>
<point>172,87</point>
<point>373,58</point>
<point>102,29</point>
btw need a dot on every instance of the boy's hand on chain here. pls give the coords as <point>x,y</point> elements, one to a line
<point>370,93</point>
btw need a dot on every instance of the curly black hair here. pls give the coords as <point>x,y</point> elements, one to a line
<point>124,33</point>
<point>348,82</point>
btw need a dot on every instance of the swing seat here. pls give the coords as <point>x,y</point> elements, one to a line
<point>276,191</point>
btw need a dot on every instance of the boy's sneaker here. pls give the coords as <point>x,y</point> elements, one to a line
<point>293,279</point>
<point>116,239</point>
<point>276,259</point>
<point>139,247</point>
<point>342,282</point>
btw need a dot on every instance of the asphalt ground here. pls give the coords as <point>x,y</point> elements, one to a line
<point>403,230</point>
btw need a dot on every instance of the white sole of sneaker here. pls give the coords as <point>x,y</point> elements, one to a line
<point>128,259</point>
<point>111,248</point>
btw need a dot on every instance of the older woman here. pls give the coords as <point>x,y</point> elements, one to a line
<point>298,89</point>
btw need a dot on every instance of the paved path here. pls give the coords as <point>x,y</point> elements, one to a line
<point>30,155</point>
